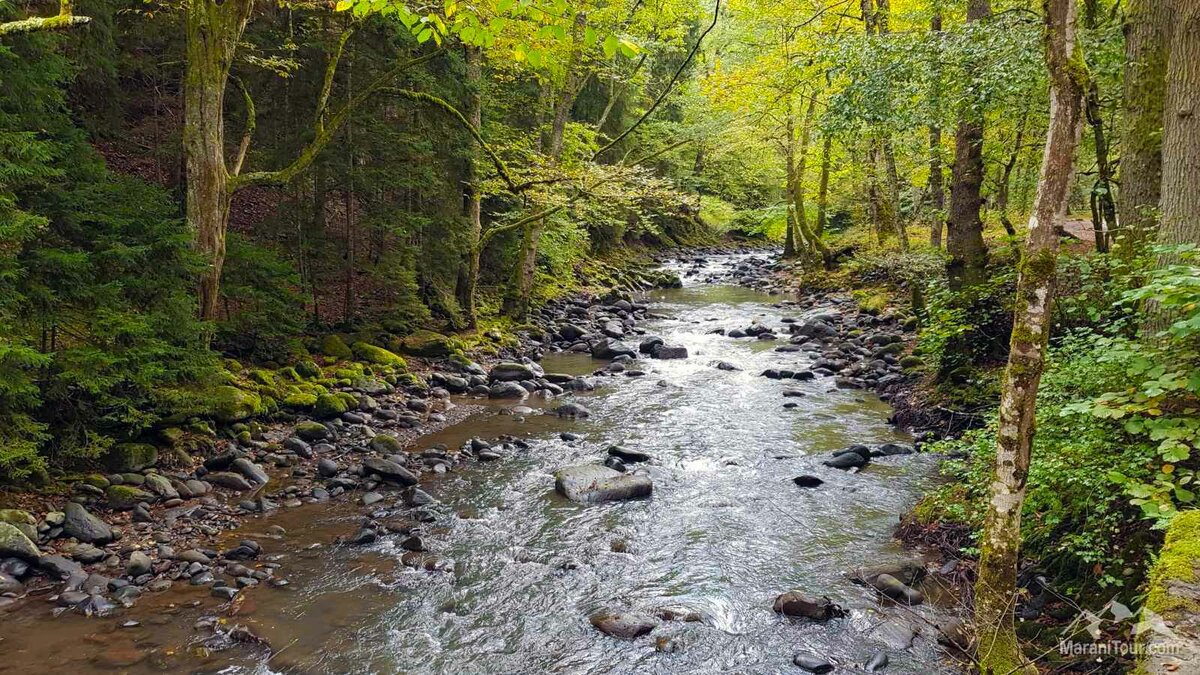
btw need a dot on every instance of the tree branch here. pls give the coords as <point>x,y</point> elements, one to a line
<point>65,19</point>
<point>327,84</point>
<point>501,167</point>
<point>248,133</point>
<point>670,85</point>
<point>326,131</point>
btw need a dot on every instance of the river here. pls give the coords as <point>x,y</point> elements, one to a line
<point>725,532</point>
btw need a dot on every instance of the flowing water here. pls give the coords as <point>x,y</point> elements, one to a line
<point>725,532</point>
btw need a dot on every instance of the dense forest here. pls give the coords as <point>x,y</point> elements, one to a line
<point>198,200</point>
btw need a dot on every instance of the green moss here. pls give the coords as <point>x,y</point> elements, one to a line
<point>428,343</point>
<point>312,431</point>
<point>1178,561</point>
<point>330,405</point>
<point>126,497</point>
<point>308,370</point>
<point>300,401</point>
<point>96,481</point>
<point>289,373</point>
<point>911,361</point>
<point>333,346</point>
<point>170,436</point>
<point>231,404</point>
<point>871,301</point>
<point>378,355</point>
<point>131,457</point>
<point>264,377</point>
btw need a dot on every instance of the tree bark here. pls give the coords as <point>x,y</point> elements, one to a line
<point>1147,48</point>
<point>964,227</point>
<point>1005,183</point>
<point>213,31</point>
<point>999,652</point>
<point>1180,222</point>
<point>812,241</point>
<point>472,201</point>
<point>823,187</point>
<point>937,187</point>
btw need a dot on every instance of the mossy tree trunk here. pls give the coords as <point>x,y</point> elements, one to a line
<point>812,242</point>
<point>472,201</point>
<point>937,187</point>
<point>1147,47</point>
<point>823,186</point>
<point>964,227</point>
<point>998,650</point>
<point>1180,222</point>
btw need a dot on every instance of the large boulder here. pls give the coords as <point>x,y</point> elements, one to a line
<point>14,544</point>
<point>507,390</point>
<point>427,343</point>
<point>126,457</point>
<point>377,355</point>
<point>669,352</point>
<point>22,520</point>
<point>84,526</point>
<point>231,404</point>
<point>799,604</point>
<point>593,483</point>
<point>908,572</point>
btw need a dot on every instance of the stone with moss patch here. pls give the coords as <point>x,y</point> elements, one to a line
<point>1173,589</point>
<point>231,404</point>
<point>334,346</point>
<point>428,344</point>
<point>131,457</point>
<point>300,400</point>
<point>312,431</point>
<point>910,362</point>
<point>124,497</point>
<point>330,405</point>
<point>14,543</point>
<point>308,369</point>
<point>386,445</point>
<point>22,520</point>
<point>378,355</point>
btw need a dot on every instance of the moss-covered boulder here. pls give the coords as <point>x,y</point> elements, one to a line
<point>910,362</point>
<point>300,400</point>
<point>22,520</point>
<point>427,343</point>
<point>308,369</point>
<point>334,346</point>
<point>171,436</point>
<point>1171,595</point>
<point>386,445</point>
<point>378,355</point>
<point>131,457</point>
<point>14,544</point>
<point>125,497</point>
<point>95,480</point>
<point>312,431</point>
<point>231,404</point>
<point>330,405</point>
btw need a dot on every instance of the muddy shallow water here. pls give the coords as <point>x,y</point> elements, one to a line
<point>725,532</point>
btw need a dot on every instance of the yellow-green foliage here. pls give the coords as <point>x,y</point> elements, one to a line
<point>871,300</point>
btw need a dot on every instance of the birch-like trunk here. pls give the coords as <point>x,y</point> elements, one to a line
<point>998,650</point>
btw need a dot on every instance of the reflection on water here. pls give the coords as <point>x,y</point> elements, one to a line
<point>725,532</point>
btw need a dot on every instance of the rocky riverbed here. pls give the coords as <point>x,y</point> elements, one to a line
<point>614,398</point>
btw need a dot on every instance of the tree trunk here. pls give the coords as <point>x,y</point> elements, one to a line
<point>213,31</point>
<point>1180,147</point>
<point>516,303</point>
<point>812,241</point>
<point>964,227</point>
<point>893,183</point>
<point>999,652</point>
<point>1104,210</point>
<point>823,187</point>
<point>1005,183</point>
<point>1147,48</point>
<point>789,159</point>
<point>937,187</point>
<point>472,202</point>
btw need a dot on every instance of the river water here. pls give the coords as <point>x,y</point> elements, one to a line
<point>725,532</point>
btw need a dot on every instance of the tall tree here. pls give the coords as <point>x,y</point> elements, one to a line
<point>964,227</point>
<point>472,191</point>
<point>1104,206</point>
<point>937,189</point>
<point>1147,47</point>
<point>996,586</point>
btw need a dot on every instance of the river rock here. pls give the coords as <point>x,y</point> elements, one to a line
<point>592,483</point>
<point>327,468</point>
<point>894,589</point>
<point>250,470</point>
<point>84,526</point>
<point>622,624</point>
<point>14,543</point>
<point>846,461</point>
<point>229,481</point>
<point>511,372</point>
<point>812,663</point>
<point>670,352</point>
<point>611,349</point>
<point>161,486</point>
<point>628,456</point>
<point>908,572</point>
<point>801,605</point>
<point>390,470</point>
<point>808,481</point>
<point>725,365</point>
<point>889,449</point>
<point>572,410</point>
<point>139,564</point>
<point>507,390</point>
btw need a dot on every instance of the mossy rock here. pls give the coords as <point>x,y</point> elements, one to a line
<point>96,481</point>
<point>428,344</point>
<point>171,436</point>
<point>351,371</point>
<point>124,497</point>
<point>131,457</point>
<point>334,346</point>
<point>410,380</point>
<point>231,404</point>
<point>312,431</point>
<point>300,401</point>
<point>264,377</point>
<point>308,370</point>
<point>22,520</point>
<point>378,355</point>
<point>1177,565</point>
<point>910,362</point>
<point>386,445</point>
<point>15,543</point>
<point>232,365</point>
<point>330,405</point>
<point>289,373</point>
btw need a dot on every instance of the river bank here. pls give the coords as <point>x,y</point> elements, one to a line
<point>402,527</point>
